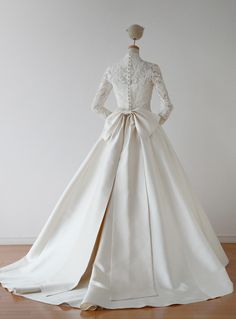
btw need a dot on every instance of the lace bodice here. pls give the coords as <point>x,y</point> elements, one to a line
<point>132,80</point>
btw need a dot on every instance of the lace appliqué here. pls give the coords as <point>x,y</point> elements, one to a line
<point>166,105</point>
<point>101,96</point>
<point>138,73</point>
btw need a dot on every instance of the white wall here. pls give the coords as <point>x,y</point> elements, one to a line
<point>52,56</point>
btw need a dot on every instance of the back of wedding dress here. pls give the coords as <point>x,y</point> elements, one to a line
<point>156,245</point>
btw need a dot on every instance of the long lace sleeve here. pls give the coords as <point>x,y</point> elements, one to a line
<point>101,95</point>
<point>159,84</point>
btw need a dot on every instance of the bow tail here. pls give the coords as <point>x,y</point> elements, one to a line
<point>146,124</point>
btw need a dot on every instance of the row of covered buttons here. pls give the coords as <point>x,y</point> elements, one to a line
<point>129,81</point>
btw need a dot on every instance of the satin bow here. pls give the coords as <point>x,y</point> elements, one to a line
<point>145,121</point>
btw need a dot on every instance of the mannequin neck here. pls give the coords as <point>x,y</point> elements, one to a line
<point>133,50</point>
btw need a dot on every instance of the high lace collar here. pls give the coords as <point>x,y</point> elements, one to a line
<point>132,54</point>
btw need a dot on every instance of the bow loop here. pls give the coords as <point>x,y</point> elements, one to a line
<point>145,122</point>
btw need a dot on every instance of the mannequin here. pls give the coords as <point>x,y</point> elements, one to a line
<point>135,32</point>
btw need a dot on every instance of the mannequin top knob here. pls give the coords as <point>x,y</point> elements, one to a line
<point>135,31</point>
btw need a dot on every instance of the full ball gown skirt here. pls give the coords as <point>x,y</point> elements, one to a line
<point>127,232</point>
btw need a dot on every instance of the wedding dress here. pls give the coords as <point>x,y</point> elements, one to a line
<point>128,231</point>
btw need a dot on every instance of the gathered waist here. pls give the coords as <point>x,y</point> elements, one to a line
<point>127,111</point>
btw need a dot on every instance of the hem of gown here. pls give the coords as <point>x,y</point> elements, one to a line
<point>101,301</point>
<point>147,302</point>
<point>98,303</point>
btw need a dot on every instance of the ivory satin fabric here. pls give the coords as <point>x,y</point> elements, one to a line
<point>128,231</point>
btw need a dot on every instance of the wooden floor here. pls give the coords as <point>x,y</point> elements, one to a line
<point>12,306</point>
